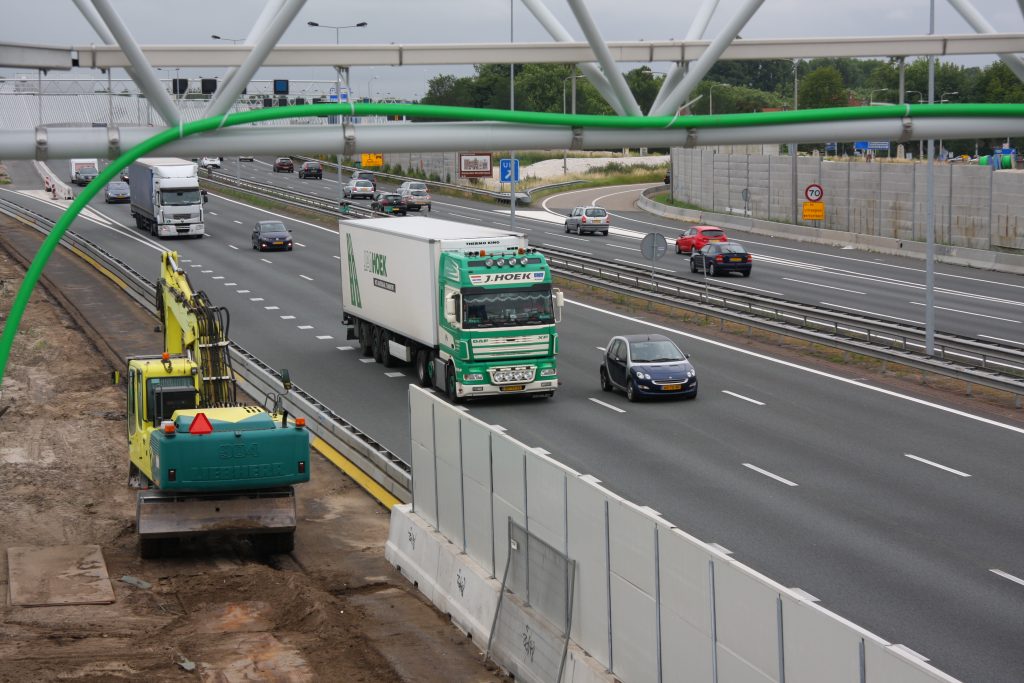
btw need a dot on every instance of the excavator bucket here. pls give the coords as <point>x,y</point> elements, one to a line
<point>163,514</point>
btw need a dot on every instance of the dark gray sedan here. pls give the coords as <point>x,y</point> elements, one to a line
<point>647,365</point>
<point>270,235</point>
<point>117,192</point>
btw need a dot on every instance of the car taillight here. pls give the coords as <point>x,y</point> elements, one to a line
<point>719,258</point>
<point>748,258</point>
<point>583,219</point>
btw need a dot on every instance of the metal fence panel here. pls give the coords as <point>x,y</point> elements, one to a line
<point>685,607</point>
<point>586,503</point>
<point>447,448</point>
<point>545,482</point>
<point>819,648</point>
<point>747,622</point>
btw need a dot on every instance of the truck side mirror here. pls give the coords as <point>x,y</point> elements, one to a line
<point>205,198</point>
<point>559,302</point>
<point>449,309</point>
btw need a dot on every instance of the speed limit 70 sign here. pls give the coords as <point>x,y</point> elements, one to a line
<point>814,192</point>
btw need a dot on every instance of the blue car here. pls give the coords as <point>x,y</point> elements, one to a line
<point>647,365</point>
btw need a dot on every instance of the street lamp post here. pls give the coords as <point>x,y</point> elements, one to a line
<point>337,90</point>
<point>920,143</point>
<point>711,96</point>
<point>943,100</point>
<point>792,151</point>
<point>871,96</point>
<point>565,153</point>
<point>369,88</point>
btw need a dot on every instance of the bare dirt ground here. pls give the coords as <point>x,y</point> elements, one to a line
<point>333,610</point>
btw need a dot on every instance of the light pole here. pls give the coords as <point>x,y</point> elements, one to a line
<point>711,96</point>
<point>943,100</point>
<point>233,41</point>
<point>565,153</point>
<point>337,90</point>
<point>792,150</point>
<point>920,143</point>
<point>871,97</point>
<point>369,88</point>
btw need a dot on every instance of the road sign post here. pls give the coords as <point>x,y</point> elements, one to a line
<point>508,172</point>
<point>652,247</point>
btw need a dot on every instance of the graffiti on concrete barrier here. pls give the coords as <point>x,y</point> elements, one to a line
<point>412,538</point>
<point>529,646</point>
<point>460,581</point>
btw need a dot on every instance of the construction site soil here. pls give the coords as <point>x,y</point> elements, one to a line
<point>333,610</point>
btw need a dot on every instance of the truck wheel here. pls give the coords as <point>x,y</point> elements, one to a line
<point>424,359</point>
<point>377,345</point>
<point>386,358</point>
<point>365,336</point>
<point>450,386</point>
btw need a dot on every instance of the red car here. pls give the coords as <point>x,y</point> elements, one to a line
<point>696,238</point>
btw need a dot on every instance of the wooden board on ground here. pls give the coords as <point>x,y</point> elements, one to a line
<point>58,575</point>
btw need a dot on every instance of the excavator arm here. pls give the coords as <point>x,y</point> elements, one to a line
<point>195,328</point>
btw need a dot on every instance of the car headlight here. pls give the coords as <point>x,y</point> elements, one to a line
<point>548,372</point>
<point>691,373</point>
<point>473,377</point>
<point>642,375</point>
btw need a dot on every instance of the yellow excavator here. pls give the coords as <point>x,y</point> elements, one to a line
<point>202,462</point>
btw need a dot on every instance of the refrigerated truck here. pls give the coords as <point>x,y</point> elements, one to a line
<point>165,197</point>
<point>79,165</point>
<point>471,308</point>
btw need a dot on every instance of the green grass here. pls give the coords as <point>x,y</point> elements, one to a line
<point>663,198</point>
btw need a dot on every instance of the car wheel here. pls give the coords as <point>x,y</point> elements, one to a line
<point>567,228</point>
<point>605,233</point>
<point>631,393</point>
<point>711,270</point>
<point>745,273</point>
<point>693,266</point>
<point>678,250</point>
<point>606,384</point>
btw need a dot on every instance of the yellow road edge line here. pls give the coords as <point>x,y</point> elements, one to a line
<point>383,496</point>
<point>91,261</point>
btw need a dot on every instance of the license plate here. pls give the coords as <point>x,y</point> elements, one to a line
<point>671,387</point>
<point>735,260</point>
<point>278,244</point>
<point>515,387</point>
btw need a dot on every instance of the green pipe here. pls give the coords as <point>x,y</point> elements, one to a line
<point>460,114</point>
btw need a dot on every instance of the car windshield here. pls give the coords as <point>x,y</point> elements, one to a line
<point>391,197</point>
<point>282,160</point>
<point>363,183</point>
<point>117,187</point>
<point>179,197</point>
<point>272,227</point>
<point>507,308</point>
<point>654,351</point>
<point>88,169</point>
<point>712,233</point>
<point>418,193</point>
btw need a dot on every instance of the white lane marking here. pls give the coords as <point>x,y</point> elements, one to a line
<point>880,315</point>
<point>394,374</point>
<point>306,277</point>
<point>815,284</point>
<point>344,348</point>
<point>755,402</point>
<point>256,298</point>
<point>230,284</point>
<point>956,310</point>
<point>272,308</point>
<point>575,251</point>
<point>231,246</point>
<point>766,473</point>
<point>287,317</point>
<point>211,213</point>
<point>242,291</point>
<point>290,219</point>
<point>601,349</point>
<point>367,360</point>
<point>619,246</point>
<point>217,277</point>
<point>337,257</point>
<point>472,218</point>
<point>266,260</point>
<point>645,265</point>
<point>324,336</point>
<point>204,271</point>
<point>299,244</point>
<point>568,237</point>
<point>542,216</point>
<point>608,406</point>
<point>239,222</point>
<point>1000,339</point>
<point>1010,577</point>
<point>196,265</point>
<point>756,289</point>
<point>935,464</point>
<point>305,327</point>
<point>803,368</point>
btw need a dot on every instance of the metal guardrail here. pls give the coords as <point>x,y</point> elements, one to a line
<point>383,466</point>
<point>301,200</point>
<point>992,365</point>
<point>522,197</point>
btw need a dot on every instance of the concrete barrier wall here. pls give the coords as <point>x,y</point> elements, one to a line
<point>975,206</point>
<point>651,602</point>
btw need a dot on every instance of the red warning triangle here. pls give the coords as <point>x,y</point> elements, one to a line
<point>200,425</point>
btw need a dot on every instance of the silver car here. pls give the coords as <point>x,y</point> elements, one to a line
<point>590,219</point>
<point>358,188</point>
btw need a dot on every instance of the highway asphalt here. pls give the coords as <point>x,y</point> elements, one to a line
<point>899,514</point>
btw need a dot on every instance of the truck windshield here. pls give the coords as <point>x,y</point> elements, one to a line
<point>179,197</point>
<point>506,308</point>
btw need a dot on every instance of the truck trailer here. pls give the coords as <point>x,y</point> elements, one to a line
<point>84,171</point>
<point>165,197</point>
<point>471,308</point>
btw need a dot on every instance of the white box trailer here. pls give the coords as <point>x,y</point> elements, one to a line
<point>395,264</point>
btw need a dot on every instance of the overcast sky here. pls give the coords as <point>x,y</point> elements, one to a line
<point>58,22</point>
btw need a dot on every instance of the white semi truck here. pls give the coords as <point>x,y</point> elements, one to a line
<point>471,308</point>
<point>166,199</point>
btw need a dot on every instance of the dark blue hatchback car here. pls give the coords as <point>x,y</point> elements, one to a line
<point>647,365</point>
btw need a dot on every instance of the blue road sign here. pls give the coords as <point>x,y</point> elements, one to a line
<point>830,146</point>
<point>505,170</point>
